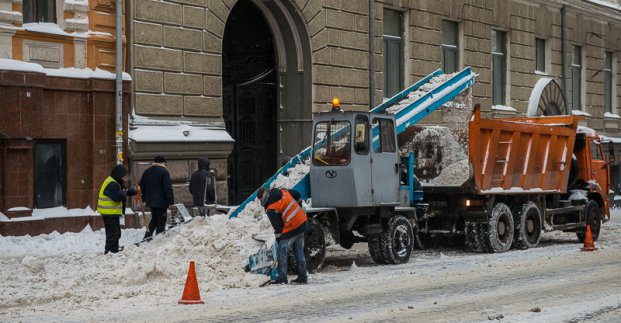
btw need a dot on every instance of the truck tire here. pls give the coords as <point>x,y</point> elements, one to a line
<point>474,232</point>
<point>528,225</point>
<point>594,219</point>
<point>375,250</point>
<point>397,241</point>
<point>498,232</point>
<point>314,249</point>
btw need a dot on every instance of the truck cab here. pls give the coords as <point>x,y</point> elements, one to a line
<point>355,183</point>
<point>355,160</point>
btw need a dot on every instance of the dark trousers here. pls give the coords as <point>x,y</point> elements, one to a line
<point>112,224</point>
<point>158,221</point>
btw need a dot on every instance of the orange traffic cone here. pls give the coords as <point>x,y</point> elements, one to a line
<point>191,293</point>
<point>589,245</point>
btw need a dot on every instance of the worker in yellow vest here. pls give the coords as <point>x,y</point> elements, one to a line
<point>111,206</point>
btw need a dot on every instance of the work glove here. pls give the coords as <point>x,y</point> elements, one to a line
<point>131,192</point>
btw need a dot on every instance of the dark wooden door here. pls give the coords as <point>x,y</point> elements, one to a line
<point>250,116</point>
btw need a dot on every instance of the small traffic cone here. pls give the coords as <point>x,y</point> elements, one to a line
<point>589,245</point>
<point>191,293</point>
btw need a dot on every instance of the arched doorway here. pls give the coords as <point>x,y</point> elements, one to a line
<point>266,91</point>
<point>249,90</point>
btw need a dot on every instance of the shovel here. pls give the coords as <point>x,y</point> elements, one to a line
<point>143,217</point>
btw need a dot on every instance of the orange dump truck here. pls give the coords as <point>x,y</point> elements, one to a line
<point>505,181</point>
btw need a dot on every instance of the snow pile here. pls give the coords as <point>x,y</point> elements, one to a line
<point>438,150</point>
<point>422,91</point>
<point>294,175</point>
<point>219,246</point>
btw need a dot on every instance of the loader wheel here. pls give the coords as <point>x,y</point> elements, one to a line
<point>474,234</point>
<point>397,241</point>
<point>375,250</point>
<point>528,225</point>
<point>498,232</point>
<point>594,219</point>
<point>314,246</point>
<point>314,249</point>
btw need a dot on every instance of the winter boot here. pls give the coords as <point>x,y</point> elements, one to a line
<point>280,281</point>
<point>300,280</point>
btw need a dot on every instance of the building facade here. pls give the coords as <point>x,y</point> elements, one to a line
<point>57,131</point>
<point>258,69</point>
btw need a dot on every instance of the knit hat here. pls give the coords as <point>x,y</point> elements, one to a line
<point>263,194</point>
<point>159,159</point>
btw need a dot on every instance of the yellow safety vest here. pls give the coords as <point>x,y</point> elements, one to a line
<point>105,205</point>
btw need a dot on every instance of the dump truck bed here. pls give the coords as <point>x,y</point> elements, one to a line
<point>493,156</point>
<point>521,155</point>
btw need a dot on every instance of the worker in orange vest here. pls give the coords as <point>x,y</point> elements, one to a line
<point>284,210</point>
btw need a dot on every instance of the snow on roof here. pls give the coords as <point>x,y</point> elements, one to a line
<point>611,115</point>
<point>609,4</point>
<point>178,133</point>
<point>503,108</point>
<point>15,65</point>
<point>71,72</point>
<point>587,130</point>
<point>580,113</point>
<point>84,73</point>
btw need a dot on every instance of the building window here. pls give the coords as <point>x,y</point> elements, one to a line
<point>540,49</point>
<point>450,46</point>
<point>499,67</point>
<point>39,11</point>
<point>576,79</point>
<point>49,174</point>
<point>393,52</point>
<point>608,82</point>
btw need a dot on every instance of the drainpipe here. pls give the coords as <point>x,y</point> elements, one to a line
<point>119,82</point>
<point>564,54</point>
<point>371,53</point>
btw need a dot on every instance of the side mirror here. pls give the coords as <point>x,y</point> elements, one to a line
<point>611,153</point>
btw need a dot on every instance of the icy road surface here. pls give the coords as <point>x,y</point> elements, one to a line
<point>554,282</point>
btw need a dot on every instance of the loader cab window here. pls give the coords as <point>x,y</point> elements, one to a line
<point>332,143</point>
<point>596,151</point>
<point>383,136</point>
<point>361,139</point>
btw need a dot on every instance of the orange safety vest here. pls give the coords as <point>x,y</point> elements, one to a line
<point>290,212</point>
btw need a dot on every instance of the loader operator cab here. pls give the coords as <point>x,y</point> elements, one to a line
<point>355,161</point>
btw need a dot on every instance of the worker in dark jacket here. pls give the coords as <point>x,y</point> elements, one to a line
<point>284,210</point>
<point>111,204</point>
<point>202,187</point>
<point>157,193</point>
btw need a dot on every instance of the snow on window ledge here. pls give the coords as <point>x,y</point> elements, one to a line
<point>611,115</point>
<point>580,113</point>
<point>503,108</point>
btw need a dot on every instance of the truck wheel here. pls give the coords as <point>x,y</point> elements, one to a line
<point>473,237</point>
<point>498,232</point>
<point>528,226</point>
<point>375,250</point>
<point>594,219</point>
<point>397,240</point>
